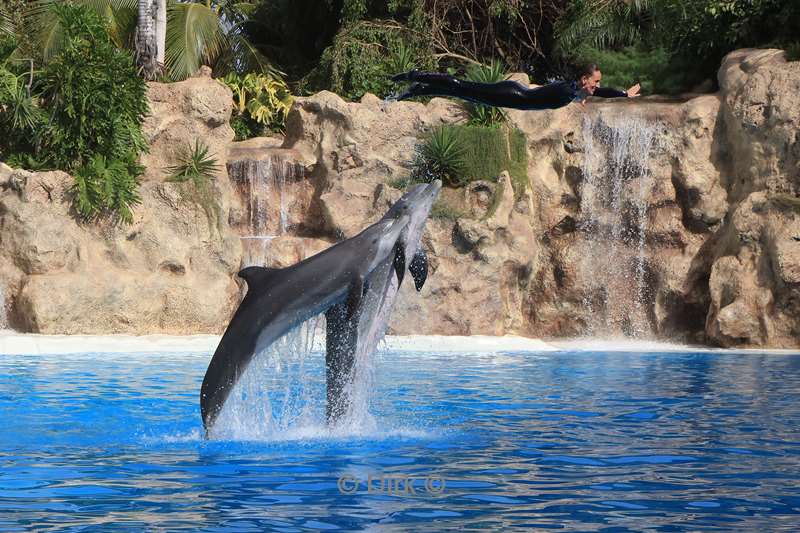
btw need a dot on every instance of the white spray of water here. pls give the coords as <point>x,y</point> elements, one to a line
<point>617,181</point>
<point>281,395</point>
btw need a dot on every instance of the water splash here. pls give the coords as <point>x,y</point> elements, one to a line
<point>617,182</point>
<point>281,395</point>
<point>282,392</point>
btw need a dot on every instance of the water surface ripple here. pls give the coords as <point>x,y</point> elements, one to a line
<point>573,441</point>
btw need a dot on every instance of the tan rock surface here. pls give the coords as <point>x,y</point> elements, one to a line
<point>170,271</point>
<point>703,245</point>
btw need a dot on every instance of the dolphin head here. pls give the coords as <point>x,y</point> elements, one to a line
<point>382,240</point>
<point>415,204</point>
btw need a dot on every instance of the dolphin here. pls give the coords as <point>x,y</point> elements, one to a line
<point>348,341</point>
<point>350,282</point>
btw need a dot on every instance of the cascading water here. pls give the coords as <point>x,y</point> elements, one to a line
<point>617,182</point>
<point>3,317</point>
<point>262,183</point>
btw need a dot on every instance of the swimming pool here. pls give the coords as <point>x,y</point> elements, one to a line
<point>517,440</point>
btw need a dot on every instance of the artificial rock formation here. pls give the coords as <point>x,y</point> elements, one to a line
<point>170,271</point>
<point>659,218</point>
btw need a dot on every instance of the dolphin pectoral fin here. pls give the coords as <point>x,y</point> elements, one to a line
<point>256,276</point>
<point>400,261</point>
<point>419,268</point>
<point>355,297</point>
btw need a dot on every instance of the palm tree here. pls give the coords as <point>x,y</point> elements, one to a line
<point>209,32</point>
<point>6,23</point>
<point>196,33</point>
<point>146,45</point>
<point>603,23</point>
<point>161,30</point>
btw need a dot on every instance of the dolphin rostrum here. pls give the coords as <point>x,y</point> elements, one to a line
<point>353,282</point>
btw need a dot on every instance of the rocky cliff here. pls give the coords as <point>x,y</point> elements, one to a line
<point>172,270</point>
<point>668,218</point>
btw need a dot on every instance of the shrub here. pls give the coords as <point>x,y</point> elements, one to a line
<point>260,102</point>
<point>483,115</point>
<point>106,187</point>
<point>459,154</point>
<point>441,156</point>
<point>363,56</point>
<point>21,117</point>
<point>93,94</point>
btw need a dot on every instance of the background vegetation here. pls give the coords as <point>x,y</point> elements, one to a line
<point>72,94</point>
<point>669,45</point>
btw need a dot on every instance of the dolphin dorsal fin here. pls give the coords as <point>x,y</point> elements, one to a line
<point>256,276</point>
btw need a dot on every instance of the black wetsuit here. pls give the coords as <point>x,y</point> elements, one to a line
<point>507,93</point>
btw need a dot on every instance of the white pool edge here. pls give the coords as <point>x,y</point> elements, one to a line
<point>35,344</point>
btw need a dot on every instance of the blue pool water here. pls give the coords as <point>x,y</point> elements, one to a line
<point>574,441</point>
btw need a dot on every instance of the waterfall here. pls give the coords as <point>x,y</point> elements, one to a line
<point>617,182</point>
<point>3,316</point>
<point>261,178</point>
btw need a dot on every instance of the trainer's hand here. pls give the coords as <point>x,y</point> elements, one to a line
<point>634,91</point>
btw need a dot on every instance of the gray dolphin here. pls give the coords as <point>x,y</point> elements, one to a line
<point>350,282</point>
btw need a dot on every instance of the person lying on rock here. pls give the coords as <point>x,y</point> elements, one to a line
<point>511,93</point>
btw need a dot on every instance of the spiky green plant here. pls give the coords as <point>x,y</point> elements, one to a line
<point>483,115</point>
<point>194,163</point>
<point>401,59</point>
<point>196,171</point>
<point>441,156</point>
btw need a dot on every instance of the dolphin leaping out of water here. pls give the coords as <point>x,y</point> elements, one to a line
<point>354,282</point>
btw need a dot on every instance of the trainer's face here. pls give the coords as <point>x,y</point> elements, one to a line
<point>590,83</point>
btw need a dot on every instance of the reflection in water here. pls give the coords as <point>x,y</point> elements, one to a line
<point>588,441</point>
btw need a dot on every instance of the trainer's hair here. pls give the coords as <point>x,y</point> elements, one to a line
<point>586,69</point>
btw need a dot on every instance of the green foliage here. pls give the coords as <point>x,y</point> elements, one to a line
<point>106,187</point>
<point>195,164</point>
<point>21,117</point>
<point>686,39</point>
<point>490,151</point>
<point>400,183</point>
<point>483,115</point>
<point>365,54</point>
<point>260,102</point>
<point>459,154</point>
<point>793,51</point>
<point>195,171</point>
<point>442,156</point>
<point>93,94</point>
<point>653,69</point>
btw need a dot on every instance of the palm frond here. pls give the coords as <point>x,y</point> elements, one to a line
<point>41,21</point>
<point>194,37</point>
<point>602,23</point>
<point>6,23</point>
